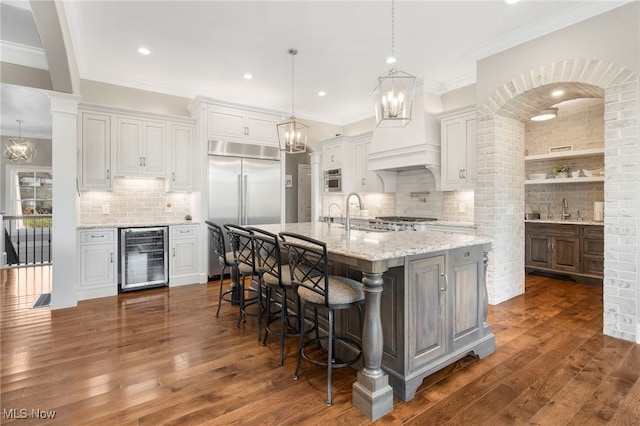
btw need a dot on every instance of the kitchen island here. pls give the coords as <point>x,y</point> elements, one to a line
<point>431,313</point>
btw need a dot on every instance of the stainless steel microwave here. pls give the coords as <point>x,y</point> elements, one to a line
<point>333,180</point>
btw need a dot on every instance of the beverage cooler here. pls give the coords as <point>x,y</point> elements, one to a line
<point>143,258</point>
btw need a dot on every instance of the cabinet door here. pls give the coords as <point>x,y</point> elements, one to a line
<point>261,129</point>
<point>426,310</point>
<point>129,161</point>
<point>464,287</point>
<point>226,123</point>
<point>458,151</point>
<point>184,257</point>
<point>365,180</point>
<point>97,265</point>
<point>538,248</point>
<point>566,254</point>
<point>332,156</point>
<point>181,178</point>
<point>154,149</point>
<point>96,151</point>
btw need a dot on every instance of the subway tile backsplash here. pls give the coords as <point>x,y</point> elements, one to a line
<point>134,201</point>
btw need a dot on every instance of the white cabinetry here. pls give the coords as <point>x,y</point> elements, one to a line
<point>459,164</point>
<point>141,147</point>
<point>365,180</point>
<point>98,263</point>
<point>184,242</point>
<point>241,125</point>
<point>332,153</point>
<point>181,159</point>
<point>95,151</point>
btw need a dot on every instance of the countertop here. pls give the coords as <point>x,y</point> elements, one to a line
<point>133,225</point>
<point>376,245</point>
<point>566,222</point>
<point>367,221</point>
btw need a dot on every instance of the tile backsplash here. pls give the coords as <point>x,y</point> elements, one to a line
<point>134,201</point>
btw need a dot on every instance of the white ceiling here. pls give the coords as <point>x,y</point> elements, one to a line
<point>204,47</point>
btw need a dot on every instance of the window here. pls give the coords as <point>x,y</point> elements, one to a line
<point>30,193</point>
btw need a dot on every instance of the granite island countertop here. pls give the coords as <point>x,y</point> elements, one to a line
<point>377,245</point>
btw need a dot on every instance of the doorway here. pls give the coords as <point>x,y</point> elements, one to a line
<point>304,193</point>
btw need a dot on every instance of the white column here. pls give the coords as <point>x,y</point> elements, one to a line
<point>316,187</point>
<point>64,112</point>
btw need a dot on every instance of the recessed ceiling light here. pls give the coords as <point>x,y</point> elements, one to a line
<point>322,93</point>
<point>144,51</point>
<point>557,93</point>
<point>546,114</point>
<point>248,76</point>
<point>391,60</point>
<point>511,1</point>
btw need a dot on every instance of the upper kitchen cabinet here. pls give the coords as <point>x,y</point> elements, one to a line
<point>241,125</point>
<point>141,147</point>
<point>458,149</point>
<point>332,153</point>
<point>95,151</point>
<point>181,167</point>
<point>365,180</point>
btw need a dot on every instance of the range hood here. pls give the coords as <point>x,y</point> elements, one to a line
<point>404,148</point>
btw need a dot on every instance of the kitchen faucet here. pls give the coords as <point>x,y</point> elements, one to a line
<point>565,206</point>
<point>348,219</point>
<point>338,206</point>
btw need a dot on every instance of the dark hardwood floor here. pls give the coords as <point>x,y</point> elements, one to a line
<point>160,356</point>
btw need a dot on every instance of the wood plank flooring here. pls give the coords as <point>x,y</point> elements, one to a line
<point>160,356</point>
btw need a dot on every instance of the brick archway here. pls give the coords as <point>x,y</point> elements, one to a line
<point>499,197</point>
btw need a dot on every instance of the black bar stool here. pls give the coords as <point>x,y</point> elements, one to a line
<point>227,260</point>
<point>309,268</point>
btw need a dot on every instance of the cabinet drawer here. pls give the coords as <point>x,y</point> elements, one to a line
<point>183,231</point>
<point>592,246</point>
<point>593,231</point>
<point>553,230</point>
<point>97,236</point>
<point>593,265</point>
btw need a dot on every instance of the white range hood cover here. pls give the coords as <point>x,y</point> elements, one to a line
<point>415,146</point>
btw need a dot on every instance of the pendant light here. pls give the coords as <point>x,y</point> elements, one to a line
<point>19,150</point>
<point>395,91</point>
<point>292,135</point>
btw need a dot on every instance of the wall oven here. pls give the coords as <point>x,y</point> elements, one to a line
<point>333,180</point>
<point>143,258</point>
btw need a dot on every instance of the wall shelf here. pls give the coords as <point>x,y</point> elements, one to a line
<point>566,180</point>
<point>565,154</point>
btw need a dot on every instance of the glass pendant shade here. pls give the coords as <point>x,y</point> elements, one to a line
<point>292,136</point>
<point>19,150</point>
<point>394,99</point>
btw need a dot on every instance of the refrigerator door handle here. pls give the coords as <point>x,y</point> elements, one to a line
<point>244,201</point>
<point>240,200</point>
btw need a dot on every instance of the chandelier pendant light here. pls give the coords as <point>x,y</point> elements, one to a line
<point>19,150</point>
<point>395,91</point>
<point>292,135</point>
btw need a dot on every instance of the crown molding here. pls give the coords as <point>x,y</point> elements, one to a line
<point>570,16</point>
<point>20,54</point>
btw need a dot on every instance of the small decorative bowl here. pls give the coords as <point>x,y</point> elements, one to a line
<point>575,174</point>
<point>537,176</point>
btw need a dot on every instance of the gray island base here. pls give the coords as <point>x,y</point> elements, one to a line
<point>425,305</point>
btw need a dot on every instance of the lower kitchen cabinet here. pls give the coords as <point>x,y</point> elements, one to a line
<point>573,250</point>
<point>183,261</point>
<point>98,250</point>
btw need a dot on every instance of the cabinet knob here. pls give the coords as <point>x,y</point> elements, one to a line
<point>363,182</point>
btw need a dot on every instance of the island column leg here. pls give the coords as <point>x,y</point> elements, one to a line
<point>372,394</point>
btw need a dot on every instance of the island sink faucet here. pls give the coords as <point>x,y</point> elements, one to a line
<point>347,216</point>
<point>565,206</point>
<point>331,205</point>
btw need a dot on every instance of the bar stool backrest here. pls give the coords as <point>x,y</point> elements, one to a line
<point>241,241</point>
<point>267,252</point>
<point>308,263</point>
<point>219,244</point>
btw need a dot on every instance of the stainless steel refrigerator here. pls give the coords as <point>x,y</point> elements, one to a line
<point>244,187</point>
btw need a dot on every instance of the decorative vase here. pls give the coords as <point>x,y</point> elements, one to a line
<point>562,175</point>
